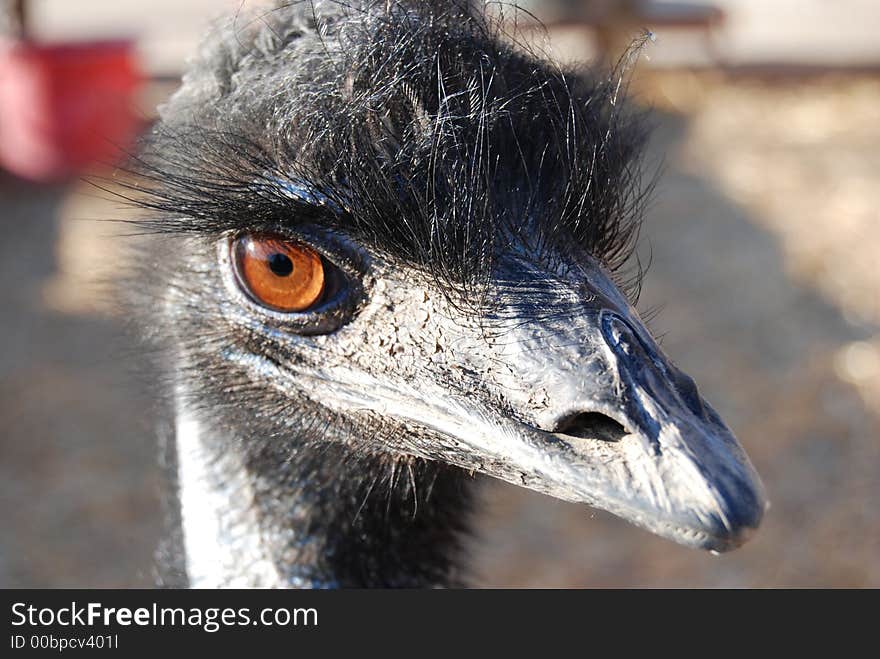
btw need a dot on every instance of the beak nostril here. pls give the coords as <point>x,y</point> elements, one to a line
<point>591,425</point>
<point>687,389</point>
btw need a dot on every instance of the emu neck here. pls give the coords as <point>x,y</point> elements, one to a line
<point>321,518</point>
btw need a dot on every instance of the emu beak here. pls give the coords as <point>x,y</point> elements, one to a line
<point>628,432</point>
<point>608,420</point>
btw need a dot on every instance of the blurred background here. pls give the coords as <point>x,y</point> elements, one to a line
<point>764,234</point>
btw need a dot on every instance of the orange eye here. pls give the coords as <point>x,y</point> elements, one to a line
<point>281,274</point>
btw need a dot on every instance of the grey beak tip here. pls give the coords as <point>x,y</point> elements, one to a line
<point>743,514</point>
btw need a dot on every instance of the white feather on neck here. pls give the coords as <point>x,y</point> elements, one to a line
<point>221,531</point>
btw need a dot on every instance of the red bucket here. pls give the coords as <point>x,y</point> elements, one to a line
<point>65,108</point>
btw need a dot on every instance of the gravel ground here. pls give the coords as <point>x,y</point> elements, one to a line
<point>764,235</point>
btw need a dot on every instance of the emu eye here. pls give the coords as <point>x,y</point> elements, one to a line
<point>280,274</point>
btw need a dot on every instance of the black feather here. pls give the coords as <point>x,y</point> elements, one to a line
<point>426,135</point>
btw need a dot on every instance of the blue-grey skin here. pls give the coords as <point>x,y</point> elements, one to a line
<point>497,393</point>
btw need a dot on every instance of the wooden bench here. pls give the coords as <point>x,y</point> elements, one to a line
<point>613,22</point>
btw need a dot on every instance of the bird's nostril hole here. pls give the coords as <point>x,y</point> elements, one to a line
<point>592,425</point>
<point>687,389</point>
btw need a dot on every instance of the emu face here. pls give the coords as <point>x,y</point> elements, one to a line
<point>467,208</point>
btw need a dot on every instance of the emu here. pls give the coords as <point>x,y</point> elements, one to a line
<point>386,253</point>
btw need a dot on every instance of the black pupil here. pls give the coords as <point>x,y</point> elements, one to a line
<point>280,264</point>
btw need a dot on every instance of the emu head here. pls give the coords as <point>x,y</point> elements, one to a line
<point>381,228</point>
